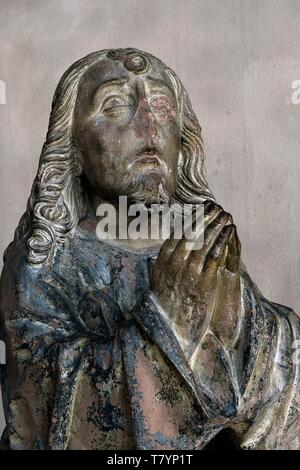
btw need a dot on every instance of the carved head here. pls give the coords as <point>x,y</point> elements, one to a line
<point>127,128</point>
<point>121,124</point>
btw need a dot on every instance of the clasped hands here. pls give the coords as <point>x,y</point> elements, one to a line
<point>199,290</point>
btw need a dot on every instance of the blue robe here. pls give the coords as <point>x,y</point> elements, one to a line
<point>92,363</point>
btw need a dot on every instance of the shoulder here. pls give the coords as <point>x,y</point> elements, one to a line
<point>18,278</point>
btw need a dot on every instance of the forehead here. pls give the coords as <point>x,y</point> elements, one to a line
<point>109,72</point>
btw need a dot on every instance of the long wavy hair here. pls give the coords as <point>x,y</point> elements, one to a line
<point>54,207</point>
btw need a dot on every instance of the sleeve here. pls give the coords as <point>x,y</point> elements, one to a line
<point>44,341</point>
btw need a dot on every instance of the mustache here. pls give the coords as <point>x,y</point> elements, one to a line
<point>149,153</point>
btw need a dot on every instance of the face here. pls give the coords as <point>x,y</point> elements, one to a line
<point>127,130</point>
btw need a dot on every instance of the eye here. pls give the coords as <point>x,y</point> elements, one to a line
<point>114,105</point>
<point>113,102</point>
<point>163,106</point>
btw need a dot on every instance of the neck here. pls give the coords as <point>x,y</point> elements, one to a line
<point>128,228</point>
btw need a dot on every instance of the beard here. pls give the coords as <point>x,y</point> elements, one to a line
<point>147,188</point>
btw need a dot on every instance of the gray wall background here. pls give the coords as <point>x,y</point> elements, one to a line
<point>237,59</point>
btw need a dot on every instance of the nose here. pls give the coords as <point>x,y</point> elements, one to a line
<point>143,121</point>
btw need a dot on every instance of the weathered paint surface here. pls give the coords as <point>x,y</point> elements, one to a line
<point>99,357</point>
<point>94,365</point>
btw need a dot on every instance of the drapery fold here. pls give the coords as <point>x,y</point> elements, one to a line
<point>94,364</point>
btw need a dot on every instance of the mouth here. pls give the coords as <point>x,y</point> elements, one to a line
<point>147,156</point>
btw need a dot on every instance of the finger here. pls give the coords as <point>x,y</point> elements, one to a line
<point>216,254</point>
<point>197,257</point>
<point>160,266</point>
<point>177,260</point>
<point>225,318</point>
<point>178,253</point>
<point>215,226</point>
<point>183,249</point>
<point>210,211</point>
